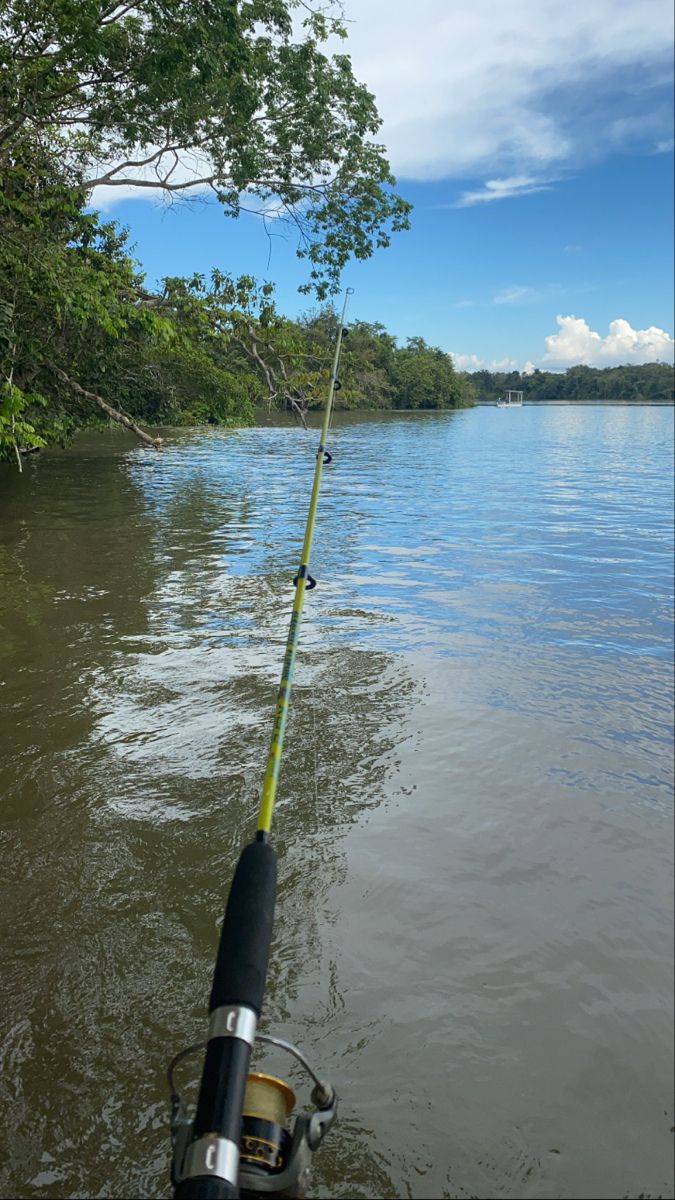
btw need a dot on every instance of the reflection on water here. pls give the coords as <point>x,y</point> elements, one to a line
<point>473,935</point>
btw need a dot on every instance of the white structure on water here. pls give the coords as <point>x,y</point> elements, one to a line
<point>511,400</point>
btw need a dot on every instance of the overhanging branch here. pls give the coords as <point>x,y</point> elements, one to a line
<point>113,413</point>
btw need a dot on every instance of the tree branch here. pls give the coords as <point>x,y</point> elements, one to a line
<point>130,162</point>
<point>295,403</point>
<point>114,413</point>
<point>116,12</point>
<point>150,183</point>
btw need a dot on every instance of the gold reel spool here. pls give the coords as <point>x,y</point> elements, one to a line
<point>268,1098</point>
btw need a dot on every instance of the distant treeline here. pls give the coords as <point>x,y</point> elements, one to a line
<point>377,372</point>
<point>651,383</point>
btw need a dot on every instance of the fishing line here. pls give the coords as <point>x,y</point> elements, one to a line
<point>303,582</point>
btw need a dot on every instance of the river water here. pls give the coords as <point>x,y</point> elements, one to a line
<point>474,931</point>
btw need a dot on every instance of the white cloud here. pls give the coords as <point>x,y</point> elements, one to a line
<point>503,189</point>
<point>466,362</point>
<point>514,295</point>
<point>575,342</point>
<point>467,90</point>
<point>472,362</point>
<point>513,92</point>
<point>106,197</point>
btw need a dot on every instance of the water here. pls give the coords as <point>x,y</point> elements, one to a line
<point>474,931</point>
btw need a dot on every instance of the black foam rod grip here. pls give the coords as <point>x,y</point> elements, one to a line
<point>205,1187</point>
<point>244,949</point>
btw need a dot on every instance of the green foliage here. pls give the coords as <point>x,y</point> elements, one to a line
<point>376,373</point>
<point>243,98</point>
<point>73,306</point>
<point>425,378</point>
<point>15,431</point>
<point>644,383</point>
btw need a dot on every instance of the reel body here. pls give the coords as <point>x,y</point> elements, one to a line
<point>274,1158</point>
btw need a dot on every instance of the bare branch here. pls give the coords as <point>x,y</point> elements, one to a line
<point>207,180</point>
<point>114,413</point>
<point>296,402</point>
<point>133,162</point>
<point>116,12</point>
<point>171,170</point>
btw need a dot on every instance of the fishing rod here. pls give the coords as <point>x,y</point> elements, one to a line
<point>239,1141</point>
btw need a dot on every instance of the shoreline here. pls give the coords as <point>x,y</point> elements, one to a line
<point>263,419</point>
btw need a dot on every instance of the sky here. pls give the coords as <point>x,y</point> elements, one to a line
<point>535,141</point>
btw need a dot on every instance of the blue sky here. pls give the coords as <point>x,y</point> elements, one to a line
<point>536,147</point>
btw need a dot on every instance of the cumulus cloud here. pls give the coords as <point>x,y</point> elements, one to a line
<point>575,342</point>
<point>472,362</point>
<point>189,169</point>
<point>467,89</point>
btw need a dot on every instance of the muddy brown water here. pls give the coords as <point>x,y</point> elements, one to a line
<point>474,931</point>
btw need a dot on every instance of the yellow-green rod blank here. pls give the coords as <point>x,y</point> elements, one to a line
<point>269,790</point>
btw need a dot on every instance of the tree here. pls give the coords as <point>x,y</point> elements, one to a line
<point>424,377</point>
<point>237,96</point>
<point>248,331</point>
<point>82,339</point>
